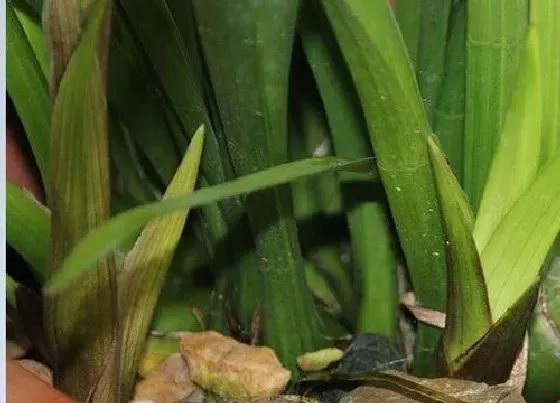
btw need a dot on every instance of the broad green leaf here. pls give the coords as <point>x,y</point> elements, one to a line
<point>543,366</point>
<point>79,200</point>
<point>375,262</point>
<point>513,257</point>
<point>248,49</point>
<point>490,360</point>
<point>28,228</point>
<point>146,265</point>
<point>109,235</point>
<point>449,118</point>
<point>495,36</point>
<point>28,89</point>
<point>517,157</point>
<point>430,57</point>
<point>376,56</point>
<point>545,15</point>
<point>468,310</point>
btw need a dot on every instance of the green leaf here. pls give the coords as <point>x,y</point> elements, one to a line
<point>315,198</point>
<point>449,119</point>
<point>545,15</point>
<point>468,310</point>
<point>374,269</point>
<point>376,56</point>
<point>430,57</point>
<point>496,32</point>
<point>248,49</point>
<point>79,200</point>
<point>146,265</point>
<point>28,89</point>
<point>31,24</point>
<point>128,174</point>
<point>513,257</point>
<point>408,14</point>
<point>517,158</point>
<point>109,235</point>
<point>153,24</point>
<point>134,98</point>
<point>28,228</point>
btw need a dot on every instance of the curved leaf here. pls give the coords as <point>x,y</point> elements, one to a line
<point>468,310</point>
<point>28,89</point>
<point>373,48</point>
<point>146,265</point>
<point>513,257</point>
<point>109,235</point>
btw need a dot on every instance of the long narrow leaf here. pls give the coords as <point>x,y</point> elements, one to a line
<point>147,264</point>
<point>375,261</point>
<point>31,24</point>
<point>80,322</point>
<point>248,47</point>
<point>430,57</point>
<point>372,46</point>
<point>449,119</point>
<point>28,89</point>
<point>28,228</point>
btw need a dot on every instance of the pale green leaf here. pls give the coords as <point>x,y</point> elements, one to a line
<point>513,257</point>
<point>496,32</point>
<point>517,158</point>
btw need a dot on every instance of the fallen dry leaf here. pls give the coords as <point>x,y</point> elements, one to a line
<point>405,388</point>
<point>169,383</point>
<point>231,369</point>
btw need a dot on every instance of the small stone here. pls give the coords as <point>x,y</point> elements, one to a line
<point>371,352</point>
<point>39,369</point>
<point>319,360</point>
<point>231,369</point>
<point>169,383</point>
